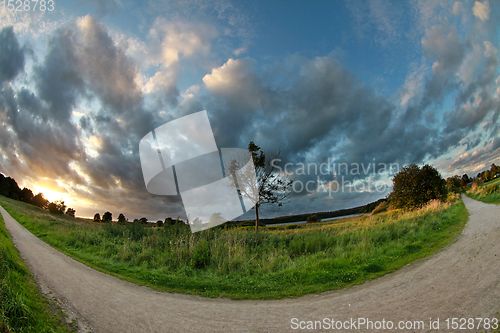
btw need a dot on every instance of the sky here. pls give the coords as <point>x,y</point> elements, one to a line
<point>375,85</point>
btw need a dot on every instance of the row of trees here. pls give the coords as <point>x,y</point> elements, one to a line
<point>491,174</point>
<point>413,186</point>
<point>10,189</point>
<point>108,217</point>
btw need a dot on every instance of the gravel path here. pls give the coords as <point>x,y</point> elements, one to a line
<point>460,281</point>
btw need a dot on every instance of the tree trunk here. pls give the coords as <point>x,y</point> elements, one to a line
<point>256,217</point>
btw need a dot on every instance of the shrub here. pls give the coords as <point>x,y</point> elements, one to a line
<point>313,218</point>
<point>413,187</point>
<point>70,212</point>
<point>201,254</point>
<point>57,207</point>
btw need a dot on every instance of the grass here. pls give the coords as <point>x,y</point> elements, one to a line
<point>277,262</point>
<point>22,307</point>
<point>487,193</point>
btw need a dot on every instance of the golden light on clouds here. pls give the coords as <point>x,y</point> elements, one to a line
<point>52,195</point>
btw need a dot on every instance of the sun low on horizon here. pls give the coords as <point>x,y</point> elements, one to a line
<point>52,195</point>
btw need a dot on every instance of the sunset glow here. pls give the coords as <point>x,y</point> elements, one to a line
<point>52,195</point>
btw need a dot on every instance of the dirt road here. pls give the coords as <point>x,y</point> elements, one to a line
<point>461,281</point>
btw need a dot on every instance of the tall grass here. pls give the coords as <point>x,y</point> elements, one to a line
<point>238,263</point>
<point>22,307</point>
<point>488,192</point>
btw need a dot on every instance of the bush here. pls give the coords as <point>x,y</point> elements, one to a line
<point>313,218</point>
<point>201,254</point>
<point>70,212</point>
<point>57,207</point>
<point>413,187</point>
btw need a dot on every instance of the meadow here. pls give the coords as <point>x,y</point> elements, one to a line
<point>22,306</point>
<point>489,192</point>
<point>276,262</point>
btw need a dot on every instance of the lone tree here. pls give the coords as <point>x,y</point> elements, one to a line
<point>268,187</point>
<point>107,217</point>
<point>413,187</point>
<point>97,217</point>
<point>121,218</point>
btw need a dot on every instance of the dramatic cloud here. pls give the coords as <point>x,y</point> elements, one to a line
<point>58,80</point>
<point>72,115</point>
<point>11,57</point>
<point>111,74</point>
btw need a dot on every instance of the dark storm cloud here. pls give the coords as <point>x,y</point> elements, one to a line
<point>11,55</point>
<point>110,73</point>
<point>81,63</point>
<point>57,79</point>
<point>44,148</point>
<point>326,112</point>
<point>442,44</point>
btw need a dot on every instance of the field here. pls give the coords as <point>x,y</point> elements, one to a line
<point>22,307</point>
<point>277,262</point>
<point>488,193</point>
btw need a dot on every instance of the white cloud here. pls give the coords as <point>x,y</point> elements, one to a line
<point>239,51</point>
<point>481,10</point>
<point>191,92</point>
<point>162,80</point>
<point>34,24</point>
<point>171,41</point>
<point>236,80</point>
<point>489,49</point>
<point>414,83</point>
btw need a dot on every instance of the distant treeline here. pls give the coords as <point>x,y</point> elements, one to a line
<point>108,217</point>
<point>368,208</point>
<point>10,189</point>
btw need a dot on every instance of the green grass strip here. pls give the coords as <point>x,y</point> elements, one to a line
<point>22,306</point>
